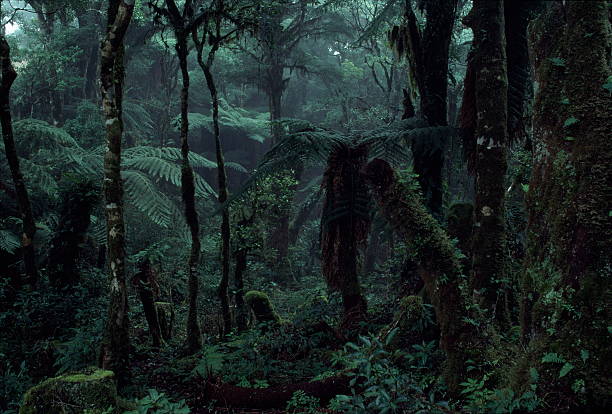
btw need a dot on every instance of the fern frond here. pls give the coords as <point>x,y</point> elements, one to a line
<point>34,134</point>
<point>142,194</point>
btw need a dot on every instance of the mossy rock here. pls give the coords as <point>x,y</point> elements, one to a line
<point>261,306</point>
<point>92,390</point>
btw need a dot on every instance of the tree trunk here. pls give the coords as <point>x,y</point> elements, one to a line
<point>23,201</point>
<point>222,292</point>
<point>77,203</point>
<point>345,224</point>
<point>568,201</point>
<point>194,340</point>
<point>431,64</point>
<point>115,347</point>
<point>437,261</point>
<point>148,291</point>
<point>491,82</point>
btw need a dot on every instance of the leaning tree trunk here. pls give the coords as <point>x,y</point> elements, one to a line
<point>345,224</point>
<point>23,201</point>
<point>437,261</point>
<point>491,104</point>
<point>222,292</point>
<point>194,341</point>
<point>569,222</point>
<point>115,347</point>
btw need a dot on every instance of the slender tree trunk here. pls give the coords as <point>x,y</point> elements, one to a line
<point>194,341</point>
<point>241,255</point>
<point>115,347</point>
<point>23,201</point>
<point>223,192</point>
<point>491,82</point>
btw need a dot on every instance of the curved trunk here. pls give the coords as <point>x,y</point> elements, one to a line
<point>438,263</point>
<point>115,347</point>
<point>23,201</point>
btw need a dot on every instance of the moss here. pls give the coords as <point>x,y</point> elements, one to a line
<point>406,319</point>
<point>92,389</point>
<point>261,306</point>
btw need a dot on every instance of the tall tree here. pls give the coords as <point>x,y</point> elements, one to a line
<point>488,63</point>
<point>568,237</point>
<point>115,347</point>
<point>183,23</point>
<point>23,201</point>
<point>212,30</point>
<point>427,52</point>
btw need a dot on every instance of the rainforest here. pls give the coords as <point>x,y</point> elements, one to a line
<point>305,206</point>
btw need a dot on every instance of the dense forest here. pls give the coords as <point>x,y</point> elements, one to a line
<point>305,206</point>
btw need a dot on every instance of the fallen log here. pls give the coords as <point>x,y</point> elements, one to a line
<point>227,395</point>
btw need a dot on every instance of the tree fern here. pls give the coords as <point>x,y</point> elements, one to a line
<point>308,145</point>
<point>142,193</point>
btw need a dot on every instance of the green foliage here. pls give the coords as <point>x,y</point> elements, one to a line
<point>378,385</point>
<point>158,403</point>
<point>302,403</point>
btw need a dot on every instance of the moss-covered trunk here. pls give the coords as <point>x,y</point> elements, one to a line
<point>491,89</point>
<point>566,285</point>
<point>115,347</point>
<point>23,201</point>
<point>436,257</point>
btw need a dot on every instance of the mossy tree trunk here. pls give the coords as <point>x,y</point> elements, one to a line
<point>8,76</point>
<point>568,201</point>
<point>437,261</point>
<point>488,61</point>
<point>215,39</point>
<point>115,347</point>
<point>345,224</point>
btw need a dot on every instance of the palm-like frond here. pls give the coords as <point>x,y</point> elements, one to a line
<point>142,193</point>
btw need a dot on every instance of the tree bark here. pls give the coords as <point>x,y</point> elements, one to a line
<point>491,83</point>
<point>194,341</point>
<point>429,60</point>
<point>23,201</point>
<point>437,261</point>
<point>115,347</point>
<point>222,291</point>
<point>345,224</point>
<point>569,194</point>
